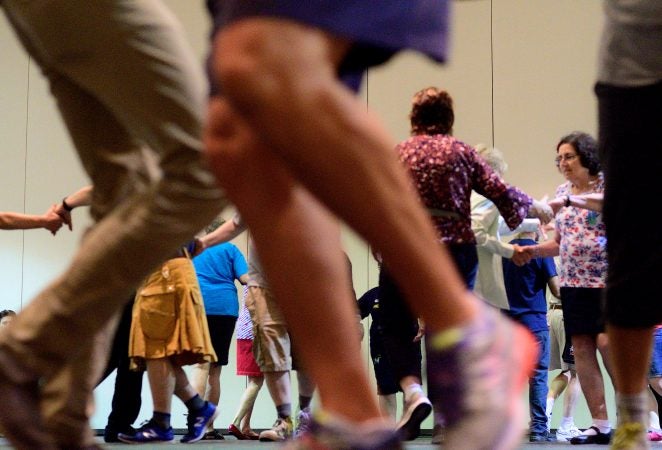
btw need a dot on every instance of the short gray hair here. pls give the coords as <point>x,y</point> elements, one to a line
<point>493,157</point>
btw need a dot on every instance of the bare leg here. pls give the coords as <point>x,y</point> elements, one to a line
<point>199,378</point>
<point>571,395</point>
<point>257,178</point>
<point>558,385</point>
<point>305,383</point>
<point>388,405</point>
<point>281,77</point>
<point>161,376</point>
<point>630,368</point>
<point>279,386</point>
<point>242,418</point>
<point>214,393</point>
<point>590,375</point>
<point>182,388</point>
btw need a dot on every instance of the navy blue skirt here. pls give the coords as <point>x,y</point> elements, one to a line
<point>378,28</point>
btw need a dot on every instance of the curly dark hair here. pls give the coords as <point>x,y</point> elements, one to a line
<point>587,150</point>
<point>432,112</point>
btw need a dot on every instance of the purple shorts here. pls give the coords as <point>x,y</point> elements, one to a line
<point>378,28</point>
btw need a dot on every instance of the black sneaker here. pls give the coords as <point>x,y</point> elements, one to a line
<point>110,433</point>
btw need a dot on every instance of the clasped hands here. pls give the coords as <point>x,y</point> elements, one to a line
<point>522,254</point>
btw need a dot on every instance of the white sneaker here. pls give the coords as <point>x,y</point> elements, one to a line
<point>565,434</point>
<point>416,410</point>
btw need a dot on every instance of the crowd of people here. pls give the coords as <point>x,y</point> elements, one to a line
<point>287,142</point>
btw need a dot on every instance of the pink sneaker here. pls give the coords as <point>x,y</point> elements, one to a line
<point>654,436</point>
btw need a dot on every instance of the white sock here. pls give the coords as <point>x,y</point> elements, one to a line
<point>412,390</point>
<point>603,425</point>
<point>567,423</point>
<point>654,421</point>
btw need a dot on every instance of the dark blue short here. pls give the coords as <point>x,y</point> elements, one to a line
<point>378,28</point>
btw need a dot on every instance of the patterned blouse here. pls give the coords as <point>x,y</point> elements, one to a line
<point>445,171</point>
<point>583,246</point>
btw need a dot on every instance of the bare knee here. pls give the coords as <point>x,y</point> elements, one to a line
<point>262,63</point>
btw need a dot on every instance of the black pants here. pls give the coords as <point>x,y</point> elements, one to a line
<point>630,136</point>
<point>128,384</point>
<point>400,325</point>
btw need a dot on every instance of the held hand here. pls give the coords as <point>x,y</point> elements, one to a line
<point>542,211</point>
<point>522,255</point>
<point>198,247</point>
<point>556,204</point>
<point>65,215</point>
<point>52,221</point>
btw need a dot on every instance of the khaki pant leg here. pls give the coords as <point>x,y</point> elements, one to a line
<point>271,340</point>
<point>123,73</point>
<point>67,400</point>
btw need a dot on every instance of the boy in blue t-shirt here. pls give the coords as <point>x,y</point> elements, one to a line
<point>525,288</point>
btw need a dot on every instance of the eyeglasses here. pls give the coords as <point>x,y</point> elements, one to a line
<point>566,158</point>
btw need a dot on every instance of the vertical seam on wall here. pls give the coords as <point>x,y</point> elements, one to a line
<point>25,180</point>
<point>492,62</point>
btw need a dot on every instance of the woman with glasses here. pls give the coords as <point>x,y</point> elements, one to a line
<point>581,243</point>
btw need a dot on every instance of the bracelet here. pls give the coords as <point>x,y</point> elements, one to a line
<point>567,201</point>
<point>66,206</point>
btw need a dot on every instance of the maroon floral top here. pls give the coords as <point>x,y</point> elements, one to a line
<point>445,171</point>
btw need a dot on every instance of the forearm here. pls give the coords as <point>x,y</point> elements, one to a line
<point>18,221</point>
<point>226,232</point>
<point>548,248</point>
<point>82,197</point>
<point>592,202</point>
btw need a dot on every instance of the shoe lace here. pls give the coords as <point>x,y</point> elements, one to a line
<point>627,435</point>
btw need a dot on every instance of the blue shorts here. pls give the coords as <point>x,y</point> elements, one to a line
<point>656,357</point>
<point>377,28</point>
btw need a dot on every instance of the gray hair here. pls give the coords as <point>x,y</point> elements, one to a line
<point>493,157</point>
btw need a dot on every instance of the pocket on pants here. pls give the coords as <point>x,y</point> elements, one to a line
<point>157,311</point>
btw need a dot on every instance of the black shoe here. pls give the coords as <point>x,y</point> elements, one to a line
<point>540,437</point>
<point>599,438</point>
<point>110,433</point>
<point>213,436</point>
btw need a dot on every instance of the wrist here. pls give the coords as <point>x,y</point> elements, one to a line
<point>536,251</point>
<point>66,206</point>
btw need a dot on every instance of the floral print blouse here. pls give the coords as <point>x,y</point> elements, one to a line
<point>445,171</point>
<point>583,245</point>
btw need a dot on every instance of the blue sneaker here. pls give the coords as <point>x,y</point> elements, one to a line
<point>149,432</point>
<point>197,423</point>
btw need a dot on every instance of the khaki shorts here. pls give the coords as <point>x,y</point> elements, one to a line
<point>271,341</point>
<point>557,341</point>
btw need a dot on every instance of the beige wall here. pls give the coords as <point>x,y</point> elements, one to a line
<point>521,74</point>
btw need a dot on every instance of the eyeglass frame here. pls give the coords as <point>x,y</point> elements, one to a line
<point>566,157</point>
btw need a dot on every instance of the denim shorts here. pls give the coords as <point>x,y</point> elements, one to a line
<point>656,357</point>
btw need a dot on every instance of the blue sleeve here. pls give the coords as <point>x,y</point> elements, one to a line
<point>238,262</point>
<point>549,267</point>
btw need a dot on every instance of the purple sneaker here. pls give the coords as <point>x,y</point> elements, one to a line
<point>476,383</point>
<point>333,434</point>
